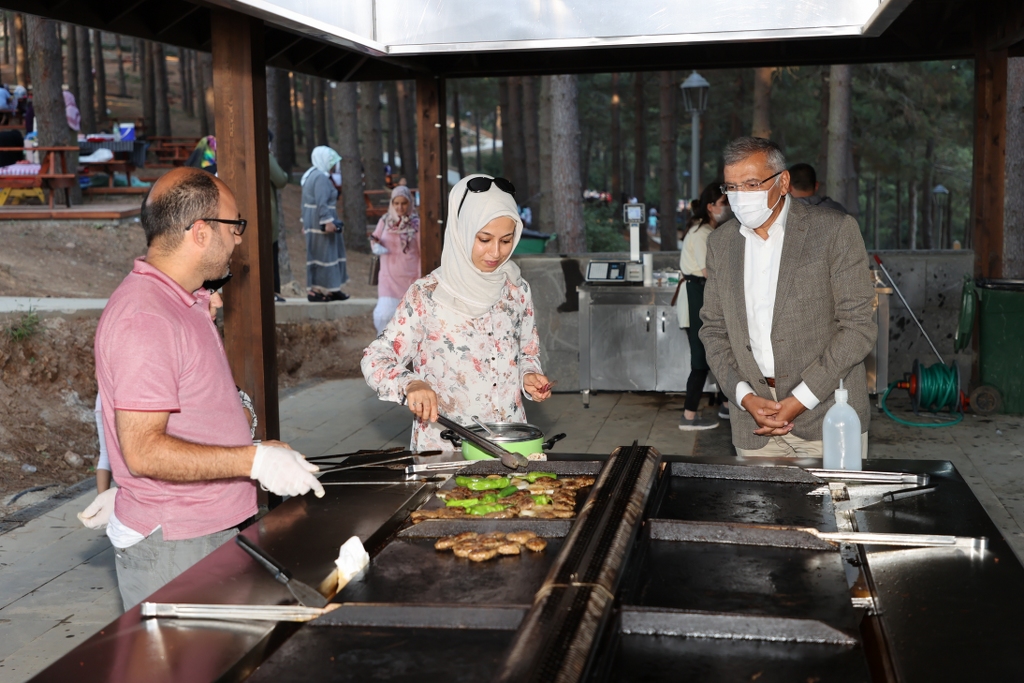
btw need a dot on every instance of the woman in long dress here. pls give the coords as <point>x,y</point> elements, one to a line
<point>463,340</point>
<point>398,237</point>
<point>325,246</point>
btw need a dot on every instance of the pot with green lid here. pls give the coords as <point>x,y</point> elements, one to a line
<point>515,437</point>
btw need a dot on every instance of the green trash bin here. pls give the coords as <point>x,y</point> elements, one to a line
<point>1001,340</point>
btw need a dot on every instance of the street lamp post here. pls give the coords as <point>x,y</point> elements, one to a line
<point>940,196</point>
<point>695,98</point>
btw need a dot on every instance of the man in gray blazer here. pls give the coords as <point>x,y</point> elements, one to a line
<point>787,308</point>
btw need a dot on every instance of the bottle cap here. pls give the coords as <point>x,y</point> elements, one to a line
<point>841,393</point>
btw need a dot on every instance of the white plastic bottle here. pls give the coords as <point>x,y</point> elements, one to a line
<point>840,435</point>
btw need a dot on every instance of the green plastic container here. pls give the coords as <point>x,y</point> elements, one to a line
<point>530,245</point>
<point>1001,340</point>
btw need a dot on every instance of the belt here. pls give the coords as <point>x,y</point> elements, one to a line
<point>694,278</point>
<point>770,381</point>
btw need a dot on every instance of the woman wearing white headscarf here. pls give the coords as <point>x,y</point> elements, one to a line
<point>325,247</point>
<point>398,235</point>
<point>466,330</point>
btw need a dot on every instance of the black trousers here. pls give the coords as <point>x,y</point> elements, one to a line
<point>699,368</point>
<point>277,271</point>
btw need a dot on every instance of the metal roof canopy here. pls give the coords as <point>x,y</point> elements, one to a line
<point>392,39</point>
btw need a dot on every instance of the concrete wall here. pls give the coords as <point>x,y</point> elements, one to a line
<point>930,280</point>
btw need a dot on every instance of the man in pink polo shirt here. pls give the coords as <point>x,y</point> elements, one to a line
<point>178,438</point>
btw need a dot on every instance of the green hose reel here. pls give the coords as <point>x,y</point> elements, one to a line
<point>968,306</point>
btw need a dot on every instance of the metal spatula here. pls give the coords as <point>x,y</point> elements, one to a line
<point>306,595</point>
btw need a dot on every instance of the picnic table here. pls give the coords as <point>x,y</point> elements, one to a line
<point>172,150</point>
<point>51,174</point>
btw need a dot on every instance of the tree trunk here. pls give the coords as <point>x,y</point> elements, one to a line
<point>71,78</point>
<point>135,55</point>
<point>199,81</point>
<point>321,111</point>
<point>762,126</point>
<point>479,156</point>
<point>101,79</point>
<point>309,113</point>
<point>297,122</point>
<point>565,148</point>
<point>332,125</point>
<point>585,156</point>
<point>87,101</point>
<point>877,200</point>
<point>545,221</point>
<point>508,167</point>
<point>281,105</point>
<point>823,96</point>
<point>531,143</point>
<point>122,85</point>
<point>513,133</point>
<point>7,37</point>
<point>353,207</point>
<point>668,140</point>
<point>148,89</point>
<point>616,135</point>
<point>394,143</point>
<point>456,143</point>
<point>371,146</point>
<point>928,213</point>
<point>46,73</point>
<point>899,214</point>
<point>23,75</point>
<point>913,213</point>
<point>640,148</point>
<point>161,91</point>
<point>407,123</point>
<point>840,171</point>
<point>186,86</point>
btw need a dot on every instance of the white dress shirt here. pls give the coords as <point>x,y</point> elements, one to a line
<point>761,258</point>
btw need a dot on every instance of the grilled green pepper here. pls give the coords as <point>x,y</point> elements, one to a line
<point>486,509</point>
<point>541,500</point>
<point>465,481</point>
<point>464,503</point>
<point>489,499</point>
<point>534,476</point>
<point>488,484</point>
<point>508,491</point>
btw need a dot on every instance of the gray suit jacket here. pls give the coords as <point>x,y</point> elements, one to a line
<point>821,325</point>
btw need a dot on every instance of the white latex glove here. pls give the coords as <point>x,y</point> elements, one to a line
<point>284,471</point>
<point>97,514</point>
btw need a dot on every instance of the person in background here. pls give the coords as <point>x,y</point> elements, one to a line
<point>710,211</point>
<point>8,104</point>
<point>787,308</point>
<point>278,181</point>
<point>204,156</point>
<point>71,111</point>
<point>180,445</point>
<point>804,185</point>
<point>464,341</point>
<point>326,267</point>
<point>397,242</point>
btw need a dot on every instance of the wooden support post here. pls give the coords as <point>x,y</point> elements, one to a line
<point>240,111</point>
<point>432,131</point>
<point>989,182</point>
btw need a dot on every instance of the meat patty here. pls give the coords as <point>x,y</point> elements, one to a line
<point>510,548</point>
<point>520,536</point>
<point>536,544</point>
<point>444,543</point>
<point>483,554</point>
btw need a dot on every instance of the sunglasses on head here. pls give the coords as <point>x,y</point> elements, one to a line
<point>482,184</point>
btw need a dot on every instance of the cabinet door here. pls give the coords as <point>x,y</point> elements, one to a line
<point>673,351</point>
<point>622,347</point>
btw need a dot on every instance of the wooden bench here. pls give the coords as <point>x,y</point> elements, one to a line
<point>172,151</point>
<point>53,174</point>
<point>110,168</point>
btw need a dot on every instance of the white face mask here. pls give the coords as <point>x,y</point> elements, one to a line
<point>751,208</point>
<point>722,215</point>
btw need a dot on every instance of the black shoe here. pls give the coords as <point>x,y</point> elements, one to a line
<point>337,296</point>
<point>278,299</point>
<point>316,297</point>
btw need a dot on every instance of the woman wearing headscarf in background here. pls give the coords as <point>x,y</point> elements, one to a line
<point>325,247</point>
<point>709,212</point>
<point>71,111</point>
<point>467,330</point>
<point>397,237</point>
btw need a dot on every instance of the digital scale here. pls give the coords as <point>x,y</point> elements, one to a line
<point>622,272</point>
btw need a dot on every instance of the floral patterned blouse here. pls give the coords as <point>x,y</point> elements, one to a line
<point>475,365</point>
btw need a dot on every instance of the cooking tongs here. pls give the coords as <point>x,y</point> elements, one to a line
<point>508,459</point>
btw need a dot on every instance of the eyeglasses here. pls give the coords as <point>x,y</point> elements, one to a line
<point>749,186</point>
<point>239,224</point>
<point>482,184</point>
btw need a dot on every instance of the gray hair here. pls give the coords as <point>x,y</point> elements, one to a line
<point>191,198</point>
<point>742,148</point>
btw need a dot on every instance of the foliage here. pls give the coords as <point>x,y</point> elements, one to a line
<point>604,233</point>
<point>26,326</point>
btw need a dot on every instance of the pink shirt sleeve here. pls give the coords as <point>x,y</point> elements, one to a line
<point>378,232</point>
<point>146,364</point>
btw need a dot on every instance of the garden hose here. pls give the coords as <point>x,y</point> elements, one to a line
<point>968,304</point>
<point>932,388</point>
